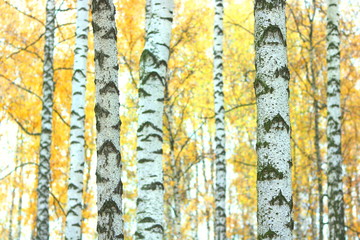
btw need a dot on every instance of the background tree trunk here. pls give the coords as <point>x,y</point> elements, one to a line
<point>334,157</point>
<point>108,170</point>
<point>77,128</point>
<point>220,188</point>
<point>43,189</point>
<point>273,131</point>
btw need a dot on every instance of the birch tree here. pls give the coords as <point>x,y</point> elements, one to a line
<point>108,171</point>
<point>153,68</point>
<point>220,189</point>
<point>334,157</point>
<point>273,132</point>
<point>77,128</point>
<point>43,188</point>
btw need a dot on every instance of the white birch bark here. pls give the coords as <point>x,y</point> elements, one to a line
<point>334,156</point>
<point>147,15</point>
<point>108,170</point>
<point>77,121</point>
<point>43,188</point>
<point>153,68</point>
<point>220,187</point>
<point>273,133</point>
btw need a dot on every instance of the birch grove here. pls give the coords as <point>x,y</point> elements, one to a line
<point>77,122</point>
<point>172,120</point>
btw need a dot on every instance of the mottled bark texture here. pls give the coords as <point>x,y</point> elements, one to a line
<point>334,157</point>
<point>220,183</point>
<point>273,132</point>
<point>43,188</point>
<point>153,68</point>
<point>77,128</point>
<point>108,170</point>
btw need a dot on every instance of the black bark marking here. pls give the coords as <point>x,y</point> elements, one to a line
<point>290,224</point>
<point>139,235</point>
<point>117,126</point>
<point>262,145</point>
<point>72,186</point>
<point>153,186</point>
<point>143,93</point>
<point>269,172</point>
<point>147,220</point>
<point>100,4</point>
<point>261,87</point>
<point>148,111</point>
<point>119,188</point>
<point>277,122</point>
<point>100,111</point>
<point>272,35</point>
<point>111,34</point>
<point>269,234</point>
<point>278,200</point>
<point>265,5</point>
<point>145,160</point>
<point>160,151</point>
<point>109,207</point>
<point>149,75</point>
<point>110,87</point>
<point>149,124</point>
<point>100,58</point>
<point>106,148</point>
<point>153,135</point>
<point>100,179</point>
<point>157,228</point>
<point>167,19</point>
<point>283,72</point>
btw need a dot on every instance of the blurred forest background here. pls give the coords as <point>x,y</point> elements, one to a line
<point>189,132</point>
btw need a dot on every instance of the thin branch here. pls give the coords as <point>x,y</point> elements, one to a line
<point>58,202</point>
<point>33,93</point>
<point>22,127</point>
<point>26,47</point>
<point>21,87</point>
<point>22,12</point>
<point>353,230</point>
<point>19,166</point>
<point>239,106</point>
<point>233,108</point>
<point>244,163</point>
<point>240,26</point>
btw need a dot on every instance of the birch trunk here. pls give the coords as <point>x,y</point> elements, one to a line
<point>77,128</point>
<point>273,132</point>
<point>220,187</point>
<point>153,68</point>
<point>334,156</point>
<point>43,188</point>
<point>313,80</point>
<point>108,170</point>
